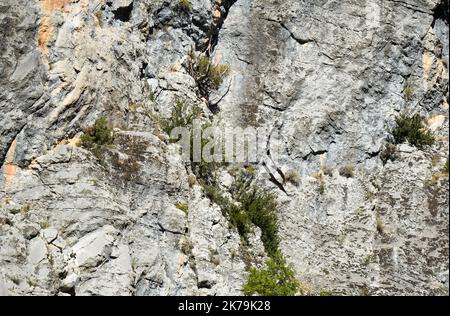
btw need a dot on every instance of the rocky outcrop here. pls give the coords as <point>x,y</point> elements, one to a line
<point>329,77</point>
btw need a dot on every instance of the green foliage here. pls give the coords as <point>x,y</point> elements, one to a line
<point>185,5</point>
<point>413,130</point>
<point>254,206</point>
<point>208,75</point>
<point>260,208</point>
<point>217,74</point>
<point>277,279</point>
<point>206,171</point>
<point>182,116</point>
<point>151,96</point>
<point>97,137</point>
<point>408,92</point>
<point>446,166</point>
<point>183,207</point>
<point>322,188</point>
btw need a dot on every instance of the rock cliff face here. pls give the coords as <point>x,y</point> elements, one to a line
<point>330,77</point>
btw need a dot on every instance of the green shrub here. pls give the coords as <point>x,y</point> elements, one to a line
<point>182,116</point>
<point>97,136</point>
<point>412,129</point>
<point>254,206</point>
<point>277,279</point>
<point>239,219</point>
<point>217,74</point>
<point>185,5</point>
<point>206,171</point>
<point>152,96</point>
<point>260,207</point>
<point>446,166</point>
<point>322,188</point>
<point>183,207</point>
<point>208,75</point>
<point>408,92</point>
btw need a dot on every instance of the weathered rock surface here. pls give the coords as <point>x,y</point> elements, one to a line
<point>329,76</point>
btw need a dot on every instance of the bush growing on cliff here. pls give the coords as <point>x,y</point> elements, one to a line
<point>254,206</point>
<point>100,134</point>
<point>260,208</point>
<point>408,92</point>
<point>182,116</point>
<point>185,5</point>
<point>208,75</point>
<point>277,279</point>
<point>412,129</point>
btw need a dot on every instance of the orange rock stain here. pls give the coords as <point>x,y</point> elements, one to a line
<point>10,168</point>
<point>46,28</point>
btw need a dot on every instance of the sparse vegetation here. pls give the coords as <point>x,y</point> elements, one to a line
<point>97,137</point>
<point>44,224</point>
<point>151,96</point>
<point>183,207</point>
<point>322,188</point>
<point>185,5</point>
<point>380,226</point>
<point>256,206</point>
<point>24,209</point>
<point>192,180</point>
<point>435,178</point>
<point>99,16</point>
<point>260,206</point>
<point>347,171</point>
<point>292,177</point>
<point>253,206</point>
<point>327,170</point>
<point>182,116</point>
<point>277,279</point>
<point>389,152</point>
<point>370,196</point>
<point>186,247</point>
<point>130,163</point>
<point>413,130</point>
<point>369,259</point>
<point>320,178</point>
<point>208,75</point>
<point>408,92</point>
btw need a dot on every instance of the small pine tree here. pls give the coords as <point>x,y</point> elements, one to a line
<point>277,279</point>
<point>412,129</point>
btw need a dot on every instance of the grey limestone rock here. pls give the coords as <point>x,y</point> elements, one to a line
<point>131,219</point>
